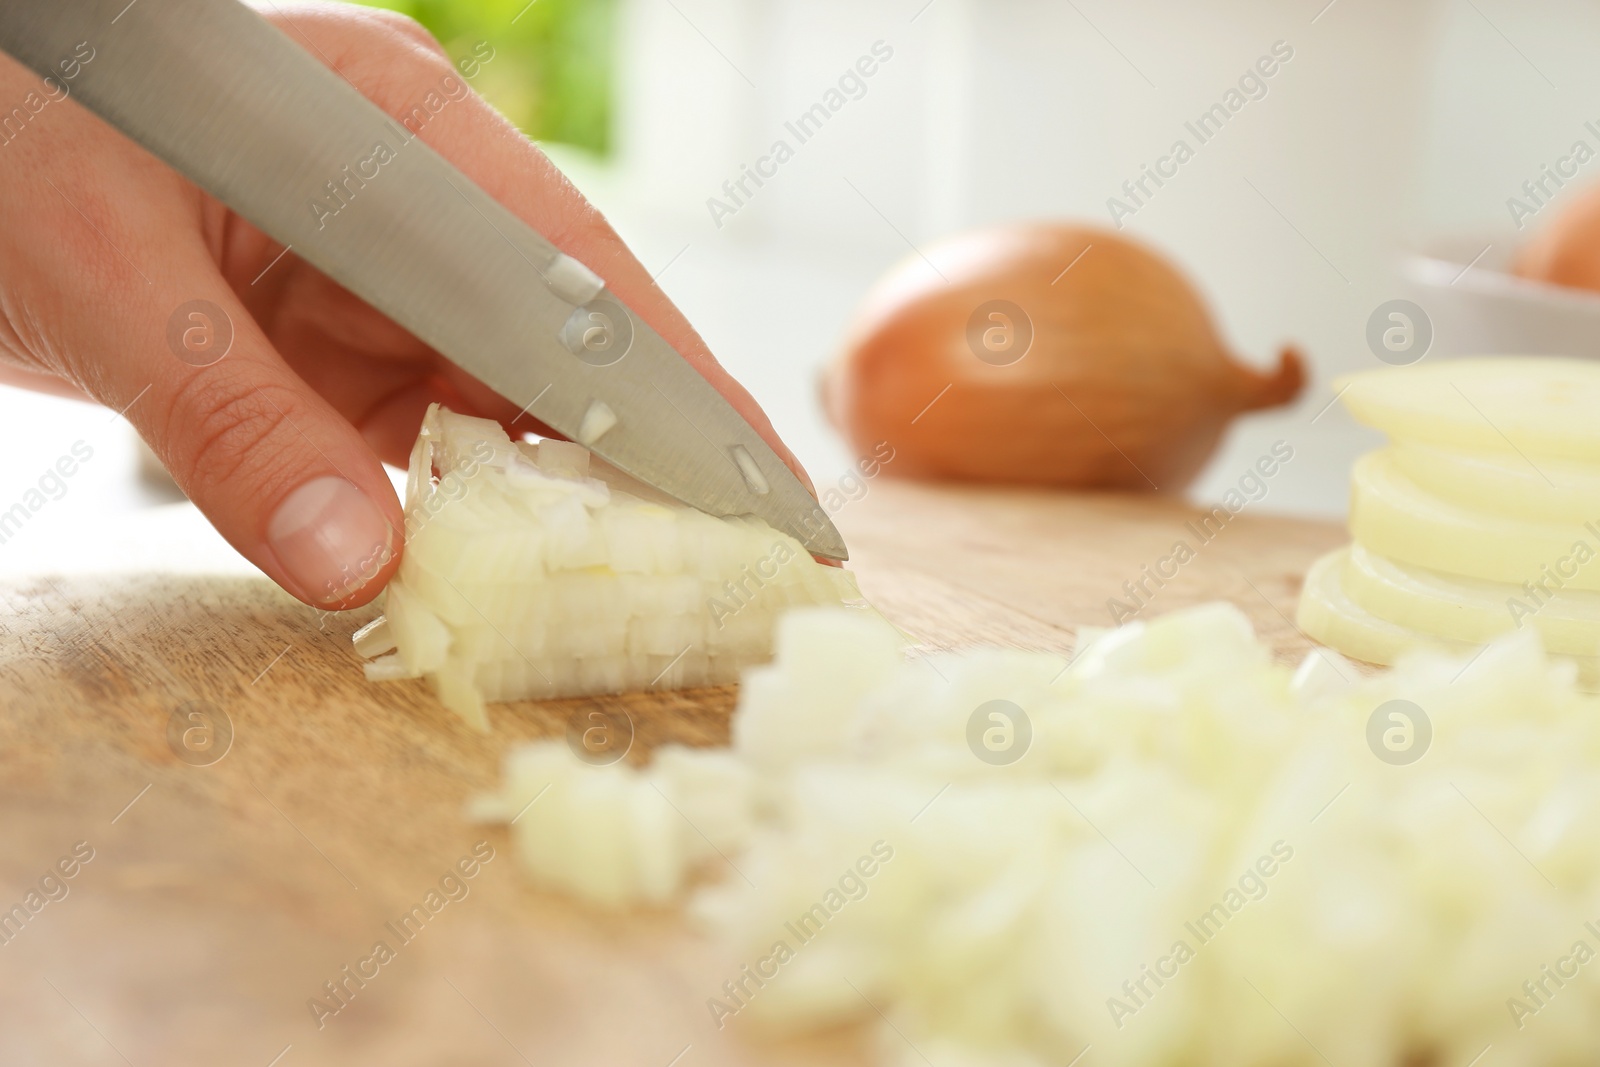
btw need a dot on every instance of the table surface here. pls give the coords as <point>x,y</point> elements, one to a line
<point>221,898</point>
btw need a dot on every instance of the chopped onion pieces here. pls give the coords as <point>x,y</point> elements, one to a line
<point>1196,856</point>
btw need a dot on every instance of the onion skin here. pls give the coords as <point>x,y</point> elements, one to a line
<point>1566,252</point>
<point>1125,385</point>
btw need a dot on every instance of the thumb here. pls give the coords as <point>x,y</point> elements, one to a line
<point>280,474</point>
<point>283,476</point>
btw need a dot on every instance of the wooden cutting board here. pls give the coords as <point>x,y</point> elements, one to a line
<point>220,898</point>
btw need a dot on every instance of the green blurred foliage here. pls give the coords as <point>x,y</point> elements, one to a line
<point>552,68</point>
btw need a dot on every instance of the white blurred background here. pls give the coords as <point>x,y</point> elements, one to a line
<point>1397,125</point>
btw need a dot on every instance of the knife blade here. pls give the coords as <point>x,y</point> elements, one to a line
<point>254,118</point>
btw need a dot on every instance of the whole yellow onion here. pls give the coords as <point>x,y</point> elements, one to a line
<point>1046,354</point>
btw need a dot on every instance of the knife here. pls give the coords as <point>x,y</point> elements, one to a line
<point>248,114</point>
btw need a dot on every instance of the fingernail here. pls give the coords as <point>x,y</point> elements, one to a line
<point>330,538</point>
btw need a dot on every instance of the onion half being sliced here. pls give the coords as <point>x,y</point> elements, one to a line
<point>532,571</point>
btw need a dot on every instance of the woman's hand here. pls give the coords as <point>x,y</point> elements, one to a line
<point>280,444</point>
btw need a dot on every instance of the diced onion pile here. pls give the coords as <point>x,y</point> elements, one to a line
<point>1481,517</point>
<point>1363,909</point>
<point>528,576</point>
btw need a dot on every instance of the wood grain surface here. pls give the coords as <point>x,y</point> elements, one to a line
<point>221,897</point>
